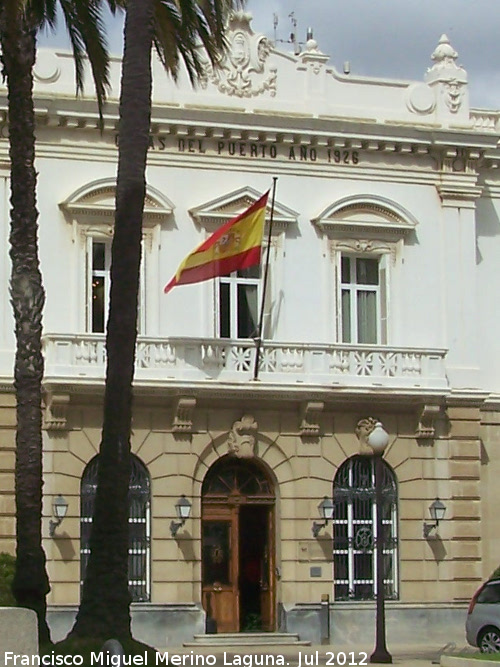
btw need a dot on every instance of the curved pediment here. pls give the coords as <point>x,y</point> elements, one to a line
<point>218,211</point>
<point>97,200</point>
<point>366,215</point>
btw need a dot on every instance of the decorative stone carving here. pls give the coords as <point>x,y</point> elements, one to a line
<point>242,70</point>
<point>47,68</point>
<point>313,57</point>
<point>310,413</point>
<point>55,415</point>
<point>449,78</point>
<point>243,437</point>
<point>420,99</point>
<point>363,429</point>
<point>183,414</point>
<point>427,421</point>
<point>365,246</point>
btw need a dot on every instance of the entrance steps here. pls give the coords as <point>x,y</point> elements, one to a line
<point>232,639</point>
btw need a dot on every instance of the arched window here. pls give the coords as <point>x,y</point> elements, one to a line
<point>139,498</point>
<point>354,526</point>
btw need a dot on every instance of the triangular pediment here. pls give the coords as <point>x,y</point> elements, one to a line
<point>97,200</point>
<point>366,215</point>
<point>217,211</point>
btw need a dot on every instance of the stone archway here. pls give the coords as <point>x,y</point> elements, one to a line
<point>238,545</point>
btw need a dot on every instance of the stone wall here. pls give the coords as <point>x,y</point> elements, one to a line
<point>7,463</point>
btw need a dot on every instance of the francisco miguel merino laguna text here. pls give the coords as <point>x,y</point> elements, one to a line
<point>104,659</point>
<point>190,659</point>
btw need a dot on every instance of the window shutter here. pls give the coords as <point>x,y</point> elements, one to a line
<point>384,300</point>
<point>268,324</point>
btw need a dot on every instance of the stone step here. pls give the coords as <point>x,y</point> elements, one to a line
<point>248,639</point>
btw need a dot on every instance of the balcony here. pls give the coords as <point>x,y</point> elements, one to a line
<point>163,362</point>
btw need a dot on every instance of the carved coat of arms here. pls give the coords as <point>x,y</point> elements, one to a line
<point>242,70</point>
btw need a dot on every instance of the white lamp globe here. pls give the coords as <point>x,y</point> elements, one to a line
<point>378,438</point>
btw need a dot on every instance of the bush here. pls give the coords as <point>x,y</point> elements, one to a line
<point>496,573</point>
<point>7,567</point>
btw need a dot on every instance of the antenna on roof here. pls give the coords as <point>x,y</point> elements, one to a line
<point>293,34</point>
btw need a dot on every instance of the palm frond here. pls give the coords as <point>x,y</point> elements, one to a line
<point>187,28</point>
<point>86,30</point>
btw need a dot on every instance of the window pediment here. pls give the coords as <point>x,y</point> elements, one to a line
<point>95,202</point>
<point>216,212</point>
<point>369,217</point>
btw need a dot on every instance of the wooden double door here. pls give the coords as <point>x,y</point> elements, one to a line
<point>238,565</point>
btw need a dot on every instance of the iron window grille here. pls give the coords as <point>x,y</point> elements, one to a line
<point>139,549</point>
<point>355,530</point>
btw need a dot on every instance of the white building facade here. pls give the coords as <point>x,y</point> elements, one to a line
<point>383,265</point>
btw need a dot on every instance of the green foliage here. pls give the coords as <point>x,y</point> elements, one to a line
<point>85,646</point>
<point>7,568</point>
<point>252,623</point>
<point>496,573</point>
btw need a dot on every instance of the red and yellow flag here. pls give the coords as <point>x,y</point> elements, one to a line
<point>235,245</point>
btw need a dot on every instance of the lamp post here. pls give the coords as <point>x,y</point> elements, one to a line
<point>378,440</point>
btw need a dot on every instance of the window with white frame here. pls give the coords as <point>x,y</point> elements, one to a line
<point>98,284</point>
<point>99,257</point>
<point>91,210</point>
<point>361,294</point>
<point>239,297</point>
<point>355,530</point>
<point>366,236</point>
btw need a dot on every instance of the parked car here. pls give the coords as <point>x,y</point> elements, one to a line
<point>482,627</point>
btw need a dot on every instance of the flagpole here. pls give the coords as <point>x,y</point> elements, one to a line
<point>258,340</point>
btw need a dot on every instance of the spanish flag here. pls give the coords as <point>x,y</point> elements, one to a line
<point>235,245</point>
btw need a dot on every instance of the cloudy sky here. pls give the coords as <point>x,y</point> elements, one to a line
<point>390,38</point>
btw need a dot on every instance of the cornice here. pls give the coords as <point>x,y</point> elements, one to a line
<point>386,136</point>
<point>255,391</point>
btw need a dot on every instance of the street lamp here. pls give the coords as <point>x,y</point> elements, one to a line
<point>183,511</point>
<point>437,511</point>
<point>325,509</point>
<point>59,509</point>
<point>378,440</point>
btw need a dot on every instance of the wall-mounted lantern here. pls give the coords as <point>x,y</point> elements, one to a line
<point>437,511</point>
<point>183,511</point>
<point>325,509</point>
<point>59,509</point>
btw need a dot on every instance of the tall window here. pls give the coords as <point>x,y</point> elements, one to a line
<point>139,498</point>
<point>99,254</point>
<point>239,303</point>
<point>355,530</point>
<point>360,299</point>
<point>98,285</point>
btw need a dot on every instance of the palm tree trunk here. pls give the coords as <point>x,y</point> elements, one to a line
<point>105,603</point>
<point>31,584</point>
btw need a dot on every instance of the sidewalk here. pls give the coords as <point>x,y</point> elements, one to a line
<point>296,656</point>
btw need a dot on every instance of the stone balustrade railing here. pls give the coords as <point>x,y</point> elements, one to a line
<point>485,120</point>
<point>81,357</point>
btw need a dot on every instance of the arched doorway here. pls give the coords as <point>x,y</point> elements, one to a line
<point>238,546</point>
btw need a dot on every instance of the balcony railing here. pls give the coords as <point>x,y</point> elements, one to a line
<point>81,357</point>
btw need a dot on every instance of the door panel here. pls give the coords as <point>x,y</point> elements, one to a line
<point>219,568</point>
<point>267,582</point>
<point>238,546</point>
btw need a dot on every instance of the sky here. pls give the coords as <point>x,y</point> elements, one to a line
<point>384,38</point>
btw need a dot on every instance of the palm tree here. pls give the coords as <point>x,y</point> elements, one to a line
<point>19,24</point>
<point>175,28</point>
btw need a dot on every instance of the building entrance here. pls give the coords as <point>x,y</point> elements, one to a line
<point>238,547</point>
